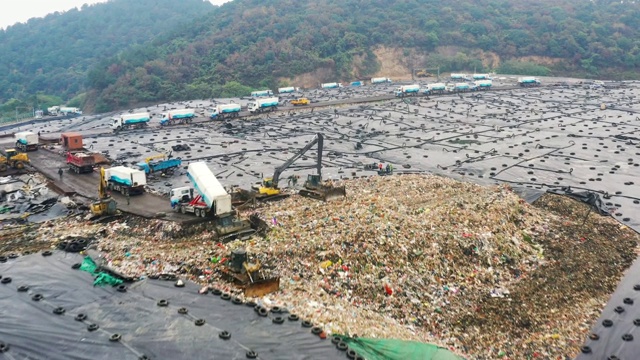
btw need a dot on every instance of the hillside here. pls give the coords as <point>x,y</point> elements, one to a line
<point>51,55</point>
<point>269,43</point>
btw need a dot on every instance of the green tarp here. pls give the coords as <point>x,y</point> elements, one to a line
<point>101,278</point>
<point>390,349</point>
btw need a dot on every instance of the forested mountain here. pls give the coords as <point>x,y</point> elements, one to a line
<point>52,54</point>
<point>266,42</point>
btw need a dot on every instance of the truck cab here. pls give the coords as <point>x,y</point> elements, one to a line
<point>181,195</point>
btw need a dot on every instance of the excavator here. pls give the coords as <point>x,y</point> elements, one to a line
<point>105,205</point>
<point>14,159</point>
<point>313,187</point>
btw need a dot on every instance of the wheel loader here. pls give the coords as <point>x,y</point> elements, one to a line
<point>11,158</point>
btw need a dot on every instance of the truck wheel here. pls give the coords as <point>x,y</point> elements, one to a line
<point>203,213</point>
<point>197,212</point>
<point>19,165</point>
<point>3,167</point>
<point>183,210</point>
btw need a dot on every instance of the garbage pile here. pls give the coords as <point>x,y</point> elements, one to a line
<point>475,269</point>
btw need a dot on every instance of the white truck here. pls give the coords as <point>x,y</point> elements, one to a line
<point>483,84</point>
<point>481,77</point>
<point>263,105</point>
<point>130,121</point>
<point>66,111</point>
<point>527,81</point>
<point>207,198</point>
<point>380,80</point>
<point>287,90</point>
<point>435,88</point>
<point>224,111</point>
<point>331,85</point>
<point>407,90</point>
<point>26,141</point>
<point>262,93</point>
<point>126,180</point>
<point>459,76</point>
<point>182,116</point>
<point>53,111</point>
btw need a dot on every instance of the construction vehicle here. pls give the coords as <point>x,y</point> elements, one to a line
<point>182,116</point>
<point>208,198</point>
<point>423,73</point>
<point>11,158</point>
<point>130,121</point>
<point>313,186</point>
<point>262,105</point>
<point>251,277</point>
<point>126,180</point>
<point>81,163</point>
<point>166,165</point>
<point>300,101</point>
<point>105,205</point>
<point>27,141</point>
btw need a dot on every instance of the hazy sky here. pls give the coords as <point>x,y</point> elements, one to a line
<point>14,11</point>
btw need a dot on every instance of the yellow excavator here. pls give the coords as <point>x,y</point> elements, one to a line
<point>105,205</point>
<point>14,159</point>
<point>313,187</point>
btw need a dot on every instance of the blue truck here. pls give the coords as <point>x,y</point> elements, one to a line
<point>160,166</point>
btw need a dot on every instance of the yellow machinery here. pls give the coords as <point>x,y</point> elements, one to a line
<point>14,159</point>
<point>313,187</point>
<point>105,204</point>
<point>252,277</point>
<point>300,101</point>
<point>160,156</point>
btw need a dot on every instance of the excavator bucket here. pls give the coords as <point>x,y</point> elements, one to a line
<point>262,287</point>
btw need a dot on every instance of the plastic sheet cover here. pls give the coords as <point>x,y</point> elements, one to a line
<point>31,329</point>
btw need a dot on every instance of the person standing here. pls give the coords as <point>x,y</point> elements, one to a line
<point>60,172</point>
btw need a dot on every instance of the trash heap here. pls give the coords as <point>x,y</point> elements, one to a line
<point>475,269</point>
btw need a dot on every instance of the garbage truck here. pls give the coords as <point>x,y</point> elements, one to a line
<point>407,90</point>
<point>483,84</point>
<point>225,111</point>
<point>332,85</point>
<point>26,141</point>
<point>182,116</point>
<point>435,88</point>
<point>130,121</point>
<point>69,111</point>
<point>287,90</point>
<point>528,81</point>
<point>380,80</point>
<point>208,198</point>
<point>481,77</point>
<point>161,166</point>
<point>458,76</point>
<point>126,180</point>
<point>357,83</point>
<point>262,93</point>
<point>460,87</point>
<point>262,105</point>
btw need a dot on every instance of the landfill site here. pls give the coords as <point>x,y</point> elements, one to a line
<point>489,224</point>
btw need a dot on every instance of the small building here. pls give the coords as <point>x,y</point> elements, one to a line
<point>71,141</point>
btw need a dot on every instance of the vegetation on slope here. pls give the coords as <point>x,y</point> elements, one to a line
<point>51,55</point>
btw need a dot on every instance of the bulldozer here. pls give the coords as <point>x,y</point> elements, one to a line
<point>314,188</point>
<point>105,205</point>
<point>423,73</point>
<point>251,277</point>
<point>11,158</point>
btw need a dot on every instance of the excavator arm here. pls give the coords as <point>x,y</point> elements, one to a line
<point>102,187</point>
<point>318,139</point>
